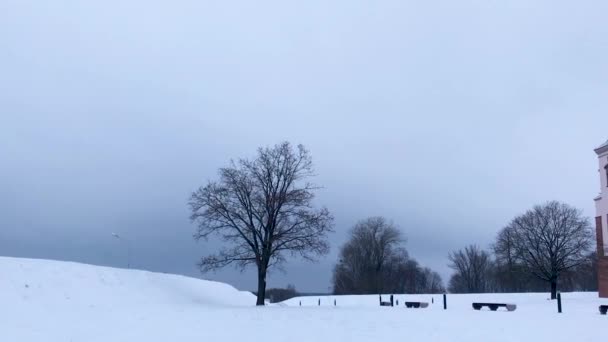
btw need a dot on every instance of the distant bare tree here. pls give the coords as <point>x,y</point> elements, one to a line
<point>504,250</point>
<point>374,260</point>
<point>432,282</point>
<point>582,277</point>
<point>277,295</point>
<point>472,270</point>
<point>369,258</point>
<point>549,240</point>
<point>414,280</point>
<point>262,209</point>
<point>509,273</point>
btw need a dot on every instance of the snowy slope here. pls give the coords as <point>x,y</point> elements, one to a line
<point>45,283</point>
<point>43,300</point>
<point>50,301</point>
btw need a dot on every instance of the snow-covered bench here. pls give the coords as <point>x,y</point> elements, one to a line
<point>494,306</point>
<point>603,309</point>
<point>416,305</point>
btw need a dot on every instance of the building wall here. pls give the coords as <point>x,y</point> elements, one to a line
<point>601,204</point>
<point>601,224</point>
<point>602,264</point>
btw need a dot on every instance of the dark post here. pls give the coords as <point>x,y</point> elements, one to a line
<point>392,302</point>
<point>335,302</point>
<point>445,302</point>
<point>300,303</point>
<point>432,300</point>
<point>559,302</point>
<point>319,301</point>
<point>397,302</point>
<point>380,298</point>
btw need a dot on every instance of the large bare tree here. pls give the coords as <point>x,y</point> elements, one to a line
<point>263,210</point>
<point>549,240</point>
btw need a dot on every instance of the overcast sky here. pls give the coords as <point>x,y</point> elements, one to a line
<point>447,117</point>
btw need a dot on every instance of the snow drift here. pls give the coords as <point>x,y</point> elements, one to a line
<point>45,284</point>
<point>48,301</point>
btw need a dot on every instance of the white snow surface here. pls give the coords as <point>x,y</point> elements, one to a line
<point>48,301</point>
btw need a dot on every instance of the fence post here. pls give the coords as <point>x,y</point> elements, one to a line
<point>335,303</point>
<point>445,302</point>
<point>392,301</point>
<point>559,302</point>
<point>300,303</point>
<point>319,301</point>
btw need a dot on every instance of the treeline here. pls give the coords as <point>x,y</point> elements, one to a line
<point>545,249</point>
<point>479,271</point>
<point>276,295</point>
<point>374,260</point>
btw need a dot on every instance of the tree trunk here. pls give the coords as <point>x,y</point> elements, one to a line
<point>261,287</point>
<point>554,289</point>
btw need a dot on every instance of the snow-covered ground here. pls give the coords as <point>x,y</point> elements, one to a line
<point>51,301</point>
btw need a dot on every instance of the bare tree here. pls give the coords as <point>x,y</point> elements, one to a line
<point>374,260</point>
<point>277,295</point>
<point>411,273</point>
<point>509,274</point>
<point>582,277</point>
<point>369,259</point>
<point>504,252</point>
<point>550,239</point>
<point>472,270</point>
<point>432,282</point>
<point>262,209</point>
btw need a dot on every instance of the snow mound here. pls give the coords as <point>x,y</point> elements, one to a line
<point>35,284</point>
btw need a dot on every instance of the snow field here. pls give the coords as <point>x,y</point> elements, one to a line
<point>50,301</point>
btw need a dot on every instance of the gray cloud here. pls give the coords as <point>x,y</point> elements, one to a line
<point>446,117</point>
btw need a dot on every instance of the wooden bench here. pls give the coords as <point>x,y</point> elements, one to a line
<point>417,305</point>
<point>603,309</point>
<point>494,306</point>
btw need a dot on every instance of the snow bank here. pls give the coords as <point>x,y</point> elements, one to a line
<point>37,284</point>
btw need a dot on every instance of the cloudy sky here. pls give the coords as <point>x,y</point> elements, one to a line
<point>447,117</point>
